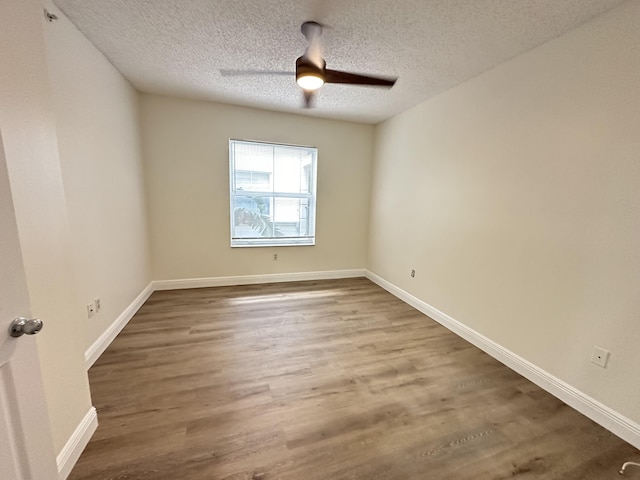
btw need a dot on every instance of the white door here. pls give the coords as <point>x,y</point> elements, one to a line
<point>26,446</point>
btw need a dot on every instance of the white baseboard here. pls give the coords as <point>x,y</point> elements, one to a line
<point>76,443</point>
<point>613,421</point>
<point>254,279</point>
<point>104,340</point>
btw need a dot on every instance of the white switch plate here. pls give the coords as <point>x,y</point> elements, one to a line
<point>600,356</point>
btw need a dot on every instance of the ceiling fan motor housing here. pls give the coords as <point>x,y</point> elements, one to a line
<point>305,67</point>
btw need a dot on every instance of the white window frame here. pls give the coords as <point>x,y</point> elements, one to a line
<point>273,241</point>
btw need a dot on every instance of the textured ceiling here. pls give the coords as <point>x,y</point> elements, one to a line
<point>178,47</point>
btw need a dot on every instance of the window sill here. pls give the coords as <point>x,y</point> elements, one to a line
<point>306,243</point>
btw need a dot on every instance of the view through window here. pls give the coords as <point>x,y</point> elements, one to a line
<point>273,194</point>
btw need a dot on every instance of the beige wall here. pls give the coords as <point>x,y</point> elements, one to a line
<point>96,114</point>
<point>516,198</point>
<point>185,146</point>
<point>31,150</point>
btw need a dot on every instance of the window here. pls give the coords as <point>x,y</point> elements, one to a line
<point>273,194</point>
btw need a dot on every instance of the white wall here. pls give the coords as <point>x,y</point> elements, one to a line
<point>96,114</point>
<point>516,198</point>
<point>31,150</point>
<point>185,144</point>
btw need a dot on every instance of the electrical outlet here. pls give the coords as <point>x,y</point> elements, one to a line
<point>600,356</point>
<point>91,309</point>
<point>275,257</point>
<point>96,302</point>
<point>413,273</point>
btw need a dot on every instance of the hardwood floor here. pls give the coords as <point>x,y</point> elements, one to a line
<point>317,381</point>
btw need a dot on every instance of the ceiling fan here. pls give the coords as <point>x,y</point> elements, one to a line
<point>312,72</point>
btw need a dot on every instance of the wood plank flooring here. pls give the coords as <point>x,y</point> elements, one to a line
<point>317,381</point>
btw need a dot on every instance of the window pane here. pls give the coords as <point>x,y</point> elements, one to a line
<point>292,170</point>
<point>252,217</point>
<point>252,167</point>
<point>291,216</point>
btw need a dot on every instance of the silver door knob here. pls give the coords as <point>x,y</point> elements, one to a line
<point>22,325</point>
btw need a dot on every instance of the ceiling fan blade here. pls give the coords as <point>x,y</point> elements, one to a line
<point>336,76</point>
<point>240,73</point>
<point>309,99</point>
